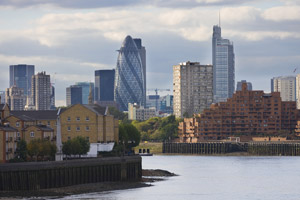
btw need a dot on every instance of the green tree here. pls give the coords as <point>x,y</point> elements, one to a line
<point>41,148</point>
<point>76,146</point>
<point>21,151</point>
<point>129,135</point>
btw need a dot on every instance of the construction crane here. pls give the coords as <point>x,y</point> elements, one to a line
<point>156,93</point>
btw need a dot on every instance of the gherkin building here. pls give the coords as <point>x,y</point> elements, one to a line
<point>129,77</point>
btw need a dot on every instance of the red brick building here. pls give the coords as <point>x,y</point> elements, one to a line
<point>248,113</point>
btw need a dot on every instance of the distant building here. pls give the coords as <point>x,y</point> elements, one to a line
<point>2,95</point>
<point>286,85</point>
<point>41,91</point>
<point>247,113</point>
<point>74,95</point>
<point>193,88</point>
<point>15,98</point>
<point>153,101</point>
<point>104,85</point>
<point>129,76</point>
<point>223,62</point>
<point>21,76</point>
<point>136,112</point>
<point>298,91</point>
<point>166,104</point>
<point>52,98</point>
<point>239,85</point>
<point>86,91</point>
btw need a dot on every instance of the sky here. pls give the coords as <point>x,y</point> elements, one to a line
<point>70,39</point>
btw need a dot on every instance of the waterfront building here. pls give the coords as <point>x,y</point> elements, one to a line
<point>15,98</point>
<point>41,91</point>
<point>286,85</point>
<point>129,76</point>
<point>7,143</point>
<point>192,88</point>
<point>136,112</point>
<point>239,85</point>
<point>86,91</point>
<point>224,66</point>
<point>247,113</point>
<point>20,76</point>
<point>73,95</point>
<point>104,85</point>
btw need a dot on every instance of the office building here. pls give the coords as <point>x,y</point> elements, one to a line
<point>86,91</point>
<point>104,85</point>
<point>286,85</point>
<point>129,77</point>
<point>166,104</point>
<point>21,76</point>
<point>224,66</point>
<point>239,85</point>
<point>136,112</point>
<point>153,101</point>
<point>41,91</point>
<point>192,88</point>
<point>74,95</point>
<point>2,95</point>
<point>247,113</point>
<point>15,98</point>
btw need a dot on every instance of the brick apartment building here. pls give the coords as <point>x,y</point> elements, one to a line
<point>247,113</point>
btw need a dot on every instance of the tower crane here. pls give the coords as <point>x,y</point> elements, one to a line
<point>156,93</point>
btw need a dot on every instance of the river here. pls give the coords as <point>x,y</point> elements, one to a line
<point>215,177</point>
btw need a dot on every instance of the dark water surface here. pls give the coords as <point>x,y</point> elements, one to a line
<point>216,177</point>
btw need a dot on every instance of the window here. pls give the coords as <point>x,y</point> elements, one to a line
<point>18,134</point>
<point>87,128</point>
<point>78,128</point>
<point>69,138</point>
<point>31,134</point>
<point>87,118</point>
<point>69,119</point>
<point>77,118</point>
<point>48,123</point>
<point>69,128</point>
<point>17,124</point>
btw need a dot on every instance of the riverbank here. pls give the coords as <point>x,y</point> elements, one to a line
<point>154,147</point>
<point>148,177</point>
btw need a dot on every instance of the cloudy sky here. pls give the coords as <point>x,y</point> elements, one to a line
<point>70,39</point>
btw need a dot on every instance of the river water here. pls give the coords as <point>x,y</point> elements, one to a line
<point>215,177</point>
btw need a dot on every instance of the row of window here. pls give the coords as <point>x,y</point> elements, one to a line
<point>87,128</point>
<point>87,118</point>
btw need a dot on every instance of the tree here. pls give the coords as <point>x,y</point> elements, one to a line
<point>41,148</point>
<point>21,151</point>
<point>186,115</point>
<point>129,135</point>
<point>76,146</point>
<point>118,114</point>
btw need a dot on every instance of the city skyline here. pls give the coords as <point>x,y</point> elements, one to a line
<point>265,35</point>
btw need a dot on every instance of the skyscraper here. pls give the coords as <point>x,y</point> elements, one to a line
<point>74,95</point>
<point>286,85</point>
<point>15,98</point>
<point>129,76</point>
<point>223,64</point>
<point>104,85</point>
<point>192,86</point>
<point>86,91</point>
<point>20,76</point>
<point>41,91</point>
<point>240,83</point>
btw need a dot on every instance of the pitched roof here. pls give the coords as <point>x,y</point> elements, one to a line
<point>2,106</point>
<point>96,108</point>
<point>41,127</point>
<point>29,115</point>
<point>7,128</point>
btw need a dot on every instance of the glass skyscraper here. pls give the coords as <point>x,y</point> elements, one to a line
<point>20,76</point>
<point>129,76</point>
<point>86,91</point>
<point>104,85</point>
<point>223,66</point>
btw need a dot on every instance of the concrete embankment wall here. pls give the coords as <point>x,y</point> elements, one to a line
<point>253,148</point>
<point>42,175</point>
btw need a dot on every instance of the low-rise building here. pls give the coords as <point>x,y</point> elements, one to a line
<point>8,143</point>
<point>136,112</point>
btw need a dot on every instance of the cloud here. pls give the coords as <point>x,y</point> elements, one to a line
<point>282,13</point>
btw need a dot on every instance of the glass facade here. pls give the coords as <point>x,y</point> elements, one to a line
<point>223,65</point>
<point>104,85</point>
<point>85,91</point>
<point>129,76</point>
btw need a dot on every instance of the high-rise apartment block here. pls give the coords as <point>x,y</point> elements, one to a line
<point>286,85</point>
<point>52,98</point>
<point>223,62</point>
<point>104,85</point>
<point>298,91</point>
<point>129,76</point>
<point>74,95</point>
<point>239,85</point>
<point>41,91</point>
<point>20,76</point>
<point>15,98</point>
<point>192,88</point>
<point>86,91</point>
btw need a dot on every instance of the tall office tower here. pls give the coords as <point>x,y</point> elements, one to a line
<point>223,62</point>
<point>74,95</point>
<point>104,85</point>
<point>20,76</point>
<point>15,98</point>
<point>192,88</point>
<point>52,98</point>
<point>129,77</point>
<point>86,91</point>
<point>240,83</point>
<point>142,51</point>
<point>286,85</point>
<point>41,91</point>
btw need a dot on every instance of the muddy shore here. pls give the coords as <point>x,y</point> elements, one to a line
<point>148,177</point>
